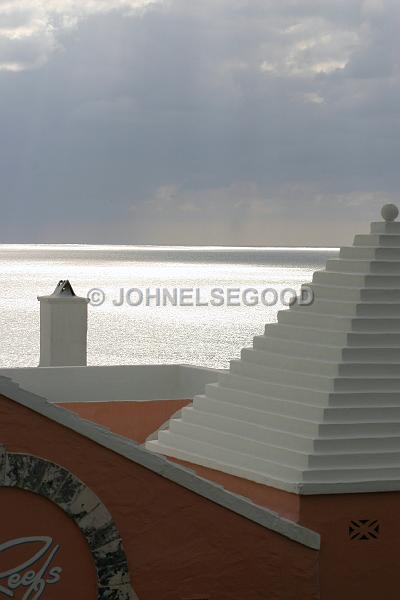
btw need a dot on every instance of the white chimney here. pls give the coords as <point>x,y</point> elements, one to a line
<point>63,328</point>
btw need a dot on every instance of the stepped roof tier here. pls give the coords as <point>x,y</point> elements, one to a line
<point>314,406</point>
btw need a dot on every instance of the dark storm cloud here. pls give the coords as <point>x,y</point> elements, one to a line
<point>215,122</point>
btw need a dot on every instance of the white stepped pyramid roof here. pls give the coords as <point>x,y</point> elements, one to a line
<point>314,406</point>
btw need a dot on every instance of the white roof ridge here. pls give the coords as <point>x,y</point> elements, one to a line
<point>280,392</point>
<point>178,474</point>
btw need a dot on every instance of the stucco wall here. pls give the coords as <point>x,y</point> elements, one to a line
<point>103,384</point>
<point>353,567</point>
<point>179,545</point>
<point>285,504</point>
<point>30,516</point>
<point>134,420</point>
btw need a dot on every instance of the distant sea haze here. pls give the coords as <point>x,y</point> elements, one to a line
<point>148,334</point>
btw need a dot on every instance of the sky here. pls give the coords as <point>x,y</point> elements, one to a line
<point>217,122</point>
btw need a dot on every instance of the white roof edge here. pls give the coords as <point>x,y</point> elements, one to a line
<point>178,474</point>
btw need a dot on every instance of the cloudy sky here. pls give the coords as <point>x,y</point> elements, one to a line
<point>239,122</point>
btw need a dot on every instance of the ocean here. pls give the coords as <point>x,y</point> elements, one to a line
<point>193,305</point>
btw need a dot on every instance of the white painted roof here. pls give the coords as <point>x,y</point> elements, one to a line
<point>160,466</point>
<point>314,406</point>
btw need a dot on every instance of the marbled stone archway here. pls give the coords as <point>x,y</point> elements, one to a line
<point>61,487</point>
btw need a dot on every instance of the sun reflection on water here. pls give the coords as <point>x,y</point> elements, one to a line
<point>208,336</point>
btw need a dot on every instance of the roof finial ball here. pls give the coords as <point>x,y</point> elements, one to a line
<point>389,212</point>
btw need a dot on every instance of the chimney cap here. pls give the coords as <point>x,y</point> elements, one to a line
<point>64,288</point>
<point>64,292</point>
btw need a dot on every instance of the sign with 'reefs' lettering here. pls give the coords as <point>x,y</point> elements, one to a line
<point>43,553</point>
<point>31,576</point>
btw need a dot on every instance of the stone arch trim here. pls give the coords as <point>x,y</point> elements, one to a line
<point>60,486</point>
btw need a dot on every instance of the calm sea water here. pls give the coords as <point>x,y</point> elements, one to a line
<point>199,335</point>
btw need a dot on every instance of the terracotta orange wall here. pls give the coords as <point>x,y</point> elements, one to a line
<point>24,514</point>
<point>137,420</point>
<point>179,545</point>
<point>349,569</point>
<point>134,420</point>
<point>356,569</point>
<point>285,504</point>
